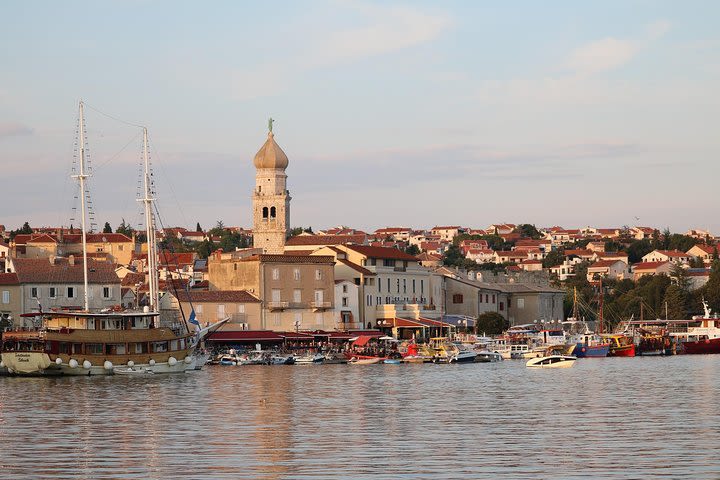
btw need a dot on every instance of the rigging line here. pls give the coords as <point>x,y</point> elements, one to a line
<point>113,157</point>
<point>169,184</point>
<point>172,283</point>
<point>111,117</point>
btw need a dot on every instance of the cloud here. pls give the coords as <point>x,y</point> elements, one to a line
<point>383,30</point>
<point>611,53</point>
<point>14,130</point>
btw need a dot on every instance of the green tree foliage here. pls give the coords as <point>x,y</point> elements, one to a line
<point>638,249</point>
<point>527,230</point>
<point>613,246</point>
<point>205,248</point>
<point>697,262</point>
<point>453,256</point>
<point>107,228</point>
<point>711,290</point>
<point>553,258</point>
<point>681,242</point>
<point>229,241</point>
<point>125,229</point>
<point>412,250</point>
<point>491,323</point>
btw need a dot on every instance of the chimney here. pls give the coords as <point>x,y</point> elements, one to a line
<point>71,260</point>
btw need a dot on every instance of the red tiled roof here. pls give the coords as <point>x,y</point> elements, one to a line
<point>382,252</point>
<point>579,252</point>
<point>39,270</point>
<point>446,228</point>
<point>355,267</point>
<point>133,278</point>
<point>705,248</point>
<point>8,279</point>
<point>325,239</point>
<point>391,230</point>
<point>604,263</point>
<point>648,265</point>
<point>672,253</point>
<point>44,238</point>
<point>236,296</point>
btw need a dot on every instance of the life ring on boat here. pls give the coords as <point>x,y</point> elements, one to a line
<point>582,349</point>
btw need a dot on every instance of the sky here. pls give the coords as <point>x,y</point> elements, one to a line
<point>414,113</point>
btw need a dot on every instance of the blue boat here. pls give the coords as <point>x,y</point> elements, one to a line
<point>589,345</point>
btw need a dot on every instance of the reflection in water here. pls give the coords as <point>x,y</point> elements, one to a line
<point>610,418</point>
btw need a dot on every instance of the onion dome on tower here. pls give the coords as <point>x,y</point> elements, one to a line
<point>271,155</point>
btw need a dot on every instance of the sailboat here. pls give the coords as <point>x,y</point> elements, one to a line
<point>97,343</point>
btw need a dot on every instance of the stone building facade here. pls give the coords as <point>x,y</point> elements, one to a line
<point>271,199</point>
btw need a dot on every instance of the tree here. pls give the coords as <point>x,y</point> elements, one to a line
<point>204,249</point>
<point>198,228</point>
<point>527,230</point>
<point>697,262</point>
<point>491,323</point>
<point>412,250</point>
<point>555,257</point>
<point>107,228</point>
<point>295,231</point>
<point>125,229</point>
<point>453,256</point>
<point>218,230</point>
<point>711,290</point>
<point>638,249</point>
<point>26,229</point>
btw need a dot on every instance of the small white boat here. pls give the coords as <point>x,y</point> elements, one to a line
<point>135,371</point>
<point>365,360</point>
<point>282,360</point>
<point>552,361</point>
<point>309,359</point>
<point>485,356</point>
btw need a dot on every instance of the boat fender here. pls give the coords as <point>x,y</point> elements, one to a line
<point>130,363</point>
<point>108,365</point>
<point>188,360</point>
<point>172,361</point>
<point>2,364</point>
<point>87,364</point>
<point>151,362</point>
<point>58,361</point>
<point>73,363</point>
<point>583,349</point>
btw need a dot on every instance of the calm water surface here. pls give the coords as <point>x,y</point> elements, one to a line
<point>603,418</point>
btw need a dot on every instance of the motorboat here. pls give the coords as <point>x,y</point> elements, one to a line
<point>365,360</point>
<point>133,371</point>
<point>229,359</point>
<point>335,358</point>
<point>486,356</point>
<point>309,359</point>
<point>392,361</point>
<point>282,360</point>
<point>451,352</point>
<point>552,361</point>
<point>418,354</point>
<point>620,345</point>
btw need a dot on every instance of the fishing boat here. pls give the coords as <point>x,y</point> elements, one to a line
<point>701,339</point>
<point>620,345</point>
<point>418,354</point>
<point>95,343</point>
<point>589,345</point>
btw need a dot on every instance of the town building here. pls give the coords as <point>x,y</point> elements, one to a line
<point>675,256</point>
<point>241,307</point>
<point>612,269</point>
<point>111,247</point>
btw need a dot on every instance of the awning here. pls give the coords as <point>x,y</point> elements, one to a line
<point>244,336</point>
<point>296,336</point>
<point>363,340</point>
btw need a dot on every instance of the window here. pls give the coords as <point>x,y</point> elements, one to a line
<point>457,298</point>
<point>388,285</point>
<point>298,320</point>
<point>480,298</point>
<point>276,274</point>
<point>265,213</point>
<point>388,263</point>
<point>70,292</point>
<point>272,212</point>
<point>379,285</point>
<point>413,285</point>
<point>502,306</point>
<point>493,297</point>
<point>318,274</point>
<point>344,301</point>
<point>422,286</point>
<point>275,295</point>
<point>94,348</point>
<point>318,296</point>
<point>198,309</point>
<point>398,285</point>
<point>6,296</point>
<point>53,292</point>
<point>521,303</point>
<point>34,292</point>
<point>296,274</point>
<point>241,308</point>
<point>276,319</point>
<point>319,320</point>
<point>220,311</point>
<point>297,295</point>
<point>404,285</point>
<point>344,289</point>
<point>106,292</point>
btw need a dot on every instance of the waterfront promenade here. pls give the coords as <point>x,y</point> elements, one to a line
<point>605,418</point>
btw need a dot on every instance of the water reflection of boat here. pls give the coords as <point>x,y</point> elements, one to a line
<point>133,371</point>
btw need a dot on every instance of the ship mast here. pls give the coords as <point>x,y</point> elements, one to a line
<point>81,179</point>
<point>150,230</point>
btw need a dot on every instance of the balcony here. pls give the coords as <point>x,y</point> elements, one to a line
<point>278,305</point>
<point>320,305</point>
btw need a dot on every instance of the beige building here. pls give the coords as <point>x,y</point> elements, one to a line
<point>112,247</point>
<point>58,283</point>
<point>271,199</point>
<point>241,307</point>
<point>613,269</point>
<point>296,291</point>
<point>391,282</point>
<point>10,298</point>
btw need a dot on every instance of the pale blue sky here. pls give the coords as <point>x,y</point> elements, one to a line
<point>413,113</point>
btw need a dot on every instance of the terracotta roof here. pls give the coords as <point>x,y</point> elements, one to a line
<point>579,252</point>
<point>237,296</point>
<point>611,254</point>
<point>672,253</point>
<point>648,265</point>
<point>8,279</point>
<point>39,270</point>
<point>709,249</point>
<point>133,278</point>
<point>392,230</point>
<point>604,263</point>
<point>299,252</point>
<point>355,267</point>
<point>428,257</point>
<point>290,258</point>
<point>44,238</point>
<point>382,252</point>
<point>446,228</point>
<point>325,239</point>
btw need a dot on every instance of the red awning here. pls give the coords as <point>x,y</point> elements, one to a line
<point>363,340</point>
<point>244,336</point>
<point>296,336</point>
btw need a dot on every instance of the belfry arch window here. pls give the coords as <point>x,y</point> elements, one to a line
<point>265,212</point>
<point>272,212</point>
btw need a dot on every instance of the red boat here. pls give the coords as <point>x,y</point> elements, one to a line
<point>702,346</point>
<point>620,345</point>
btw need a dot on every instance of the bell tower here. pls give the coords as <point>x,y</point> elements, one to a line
<point>271,199</point>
